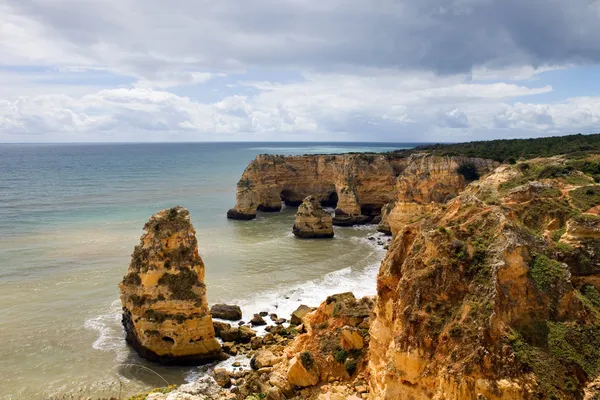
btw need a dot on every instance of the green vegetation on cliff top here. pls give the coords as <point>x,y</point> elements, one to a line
<point>513,149</point>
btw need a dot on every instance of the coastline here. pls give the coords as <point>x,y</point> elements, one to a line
<point>282,300</point>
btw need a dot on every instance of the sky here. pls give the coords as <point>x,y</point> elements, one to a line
<point>297,70</point>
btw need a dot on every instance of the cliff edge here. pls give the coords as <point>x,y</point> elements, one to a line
<point>492,294</point>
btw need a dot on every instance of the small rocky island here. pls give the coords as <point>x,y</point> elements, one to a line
<point>312,222</point>
<point>165,312</point>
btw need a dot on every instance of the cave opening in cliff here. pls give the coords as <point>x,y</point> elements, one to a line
<point>371,210</point>
<point>291,198</point>
<point>331,201</point>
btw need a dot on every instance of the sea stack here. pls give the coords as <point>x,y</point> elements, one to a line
<point>165,312</point>
<point>312,221</point>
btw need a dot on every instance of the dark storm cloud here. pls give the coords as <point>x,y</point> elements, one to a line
<point>446,36</point>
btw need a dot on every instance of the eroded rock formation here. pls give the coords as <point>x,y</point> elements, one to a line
<point>335,344</point>
<point>358,185</point>
<point>492,296</point>
<point>165,313</point>
<point>312,221</point>
<point>429,181</point>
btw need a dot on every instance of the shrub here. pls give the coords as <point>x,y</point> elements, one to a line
<point>455,331</point>
<point>307,360</point>
<point>592,294</point>
<point>245,183</point>
<point>585,197</point>
<point>132,279</point>
<point>182,284</point>
<point>351,366</point>
<point>557,234</point>
<point>555,171</point>
<point>546,273</point>
<point>340,355</point>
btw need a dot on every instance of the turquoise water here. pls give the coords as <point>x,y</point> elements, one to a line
<point>70,216</point>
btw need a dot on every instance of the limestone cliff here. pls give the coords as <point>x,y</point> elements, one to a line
<point>312,221</point>
<point>428,181</point>
<point>165,313</point>
<point>494,294</point>
<point>356,184</point>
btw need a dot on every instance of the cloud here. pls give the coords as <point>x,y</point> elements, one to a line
<point>445,36</point>
<point>392,107</point>
<point>289,69</point>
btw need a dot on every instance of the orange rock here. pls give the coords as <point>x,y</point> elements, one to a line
<point>165,312</point>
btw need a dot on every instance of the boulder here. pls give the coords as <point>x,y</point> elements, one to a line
<point>299,314</point>
<point>264,358</point>
<point>222,377</point>
<point>219,327</point>
<point>351,339</point>
<point>165,312</point>
<point>279,381</point>
<point>257,320</point>
<point>240,334</point>
<point>256,343</point>
<point>312,222</point>
<point>302,375</point>
<point>274,393</point>
<point>226,311</point>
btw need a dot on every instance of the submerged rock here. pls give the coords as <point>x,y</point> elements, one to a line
<point>165,313</point>
<point>312,221</point>
<point>226,311</point>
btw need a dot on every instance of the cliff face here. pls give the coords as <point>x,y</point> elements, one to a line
<point>312,221</point>
<point>494,294</point>
<point>165,313</point>
<point>354,183</point>
<point>358,185</point>
<point>429,181</point>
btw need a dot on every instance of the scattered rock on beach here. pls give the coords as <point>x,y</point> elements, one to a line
<point>226,312</point>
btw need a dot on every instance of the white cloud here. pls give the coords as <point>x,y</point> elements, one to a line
<point>410,70</point>
<point>323,103</point>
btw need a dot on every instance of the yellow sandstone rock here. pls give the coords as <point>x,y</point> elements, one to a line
<point>300,375</point>
<point>476,299</point>
<point>358,184</point>
<point>165,312</point>
<point>351,339</point>
<point>312,221</point>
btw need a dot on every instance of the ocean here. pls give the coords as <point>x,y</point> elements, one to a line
<point>70,216</point>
